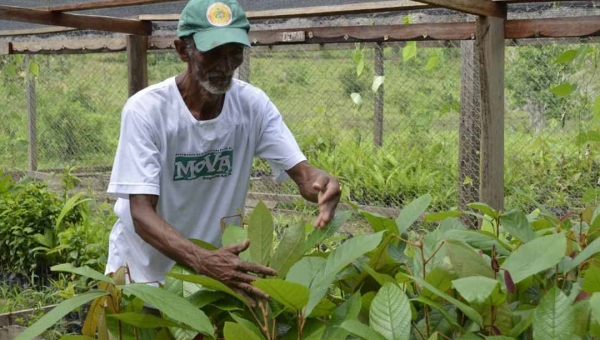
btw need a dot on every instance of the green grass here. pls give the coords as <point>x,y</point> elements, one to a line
<point>80,100</point>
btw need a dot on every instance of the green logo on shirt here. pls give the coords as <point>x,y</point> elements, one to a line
<point>208,165</point>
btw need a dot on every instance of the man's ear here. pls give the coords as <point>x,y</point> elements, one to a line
<point>181,48</point>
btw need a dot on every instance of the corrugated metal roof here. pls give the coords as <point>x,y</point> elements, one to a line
<point>165,8</point>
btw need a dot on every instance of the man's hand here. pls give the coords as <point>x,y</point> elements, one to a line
<point>226,266</point>
<point>319,187</point>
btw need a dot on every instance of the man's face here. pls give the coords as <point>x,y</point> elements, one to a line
<point>214,69</point>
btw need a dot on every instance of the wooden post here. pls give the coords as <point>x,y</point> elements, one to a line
<point>137,63</point>
<point>469,132</point>
<point>490,47</point>
<point>31,117</point>
<point>378,111</point>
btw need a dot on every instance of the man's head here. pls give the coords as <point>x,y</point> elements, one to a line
<point>212,36</point>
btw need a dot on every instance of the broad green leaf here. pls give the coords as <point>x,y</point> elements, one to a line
<point>409,51</point>
<point>390,313</point>
<point>451,319</point>
<point>412,212</point>
<point>203,244</point>
<point>173,306</point>
<point>57,313</point>
<point>499,337</point>
<point>567,57</point>
<point>260,233</point>
<point>465,261</point>
<point>589,251</point>
<point>319,235</point>
<point>440,278</point>
<point>591,280</point>
<point>547,251</point>
<point>380,223</point>
<point>292,295</point>
<point>76,337</point>
<point>522,326</point>
<point>432,63</point>
<point>516,223</point>
<point>338,259</point>
<point>234,235</point>
<point>83,271</point>
<point>247,324</point>
<point>582,311</point>
<point>470,336</point>
<point>553,318</point>
<point>475,289</point>
<point>143,320</point>
<point>442,216</point>
<point>563,90</point>
<point>210,283</point>
<point>379,277</point>
<point>502,317</point>
<point>289,250</point>
<point>313,330</point>
<point>348,310</point>
<point>361,330</point>
<point>324,308</point>
<point>360,66</point>
<point>479,239</point>
<point>193,292</point>
<point>356,98</point>
<point>305,270</point>
<point>595,306</point>
<point>468,311</point>
<point>377,82</point>
<point>34,68</point>
<point>484,208</point>
<point>365,301</point>
<point>235,331</point>
<point>70,205</point>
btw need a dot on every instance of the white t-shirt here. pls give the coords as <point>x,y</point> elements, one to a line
<point>199,169</point>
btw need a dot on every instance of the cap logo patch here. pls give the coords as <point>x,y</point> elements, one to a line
<point>219,14</point>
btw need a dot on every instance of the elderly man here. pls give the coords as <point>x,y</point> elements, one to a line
<point>185,154</point>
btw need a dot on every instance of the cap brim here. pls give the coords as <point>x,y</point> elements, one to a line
<point>207,40</point>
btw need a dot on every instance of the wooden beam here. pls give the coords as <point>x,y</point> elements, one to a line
<point>555,27</point>
<point>439,33</point>
<point>75,20</point>
<point>137,63</point>
<point>475,7</point>
<point>490,48</point>
<point>33,31</point>
<point>101,4</point>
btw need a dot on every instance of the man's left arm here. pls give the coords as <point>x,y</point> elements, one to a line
<point>319,187</point>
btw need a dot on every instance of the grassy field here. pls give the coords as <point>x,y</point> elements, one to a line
<point>79,99</point>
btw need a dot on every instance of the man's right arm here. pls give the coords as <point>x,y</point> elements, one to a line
<point>223,264</point>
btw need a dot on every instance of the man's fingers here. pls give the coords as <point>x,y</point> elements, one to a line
<point>256,268</point>
<point>244,277</point>
<point>246,296</point>
<point>238,247</point>
<point>250,289</point>
<point>320,183</point>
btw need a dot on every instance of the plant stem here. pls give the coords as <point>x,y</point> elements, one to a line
<point>435,252</point>
<point>265,313</point>
<point>424,268</point>
<point>301,321</point>
<point>120,330</point>
<point>427,325</point>
<point>135,332</point>
<point>418,331</point>
<point>407,241</point>
<point>260,324</point>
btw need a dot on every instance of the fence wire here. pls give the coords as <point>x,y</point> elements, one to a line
<point>393,121</point>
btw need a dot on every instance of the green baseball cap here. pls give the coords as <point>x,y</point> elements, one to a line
<point>213,23</point>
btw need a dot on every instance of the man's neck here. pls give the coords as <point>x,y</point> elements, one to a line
<point>202,104</point>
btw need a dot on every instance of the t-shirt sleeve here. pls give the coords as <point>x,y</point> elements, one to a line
<point>276,144</point>
<point>136,168</point>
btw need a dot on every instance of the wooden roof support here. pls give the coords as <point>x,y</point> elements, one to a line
<point>475,7</point>
<point>78,21</point>
<point>101,4</point>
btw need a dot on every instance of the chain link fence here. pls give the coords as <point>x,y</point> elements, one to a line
<point>393,120</point>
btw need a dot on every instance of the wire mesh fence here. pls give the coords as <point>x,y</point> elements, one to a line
<point>393,121</point>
